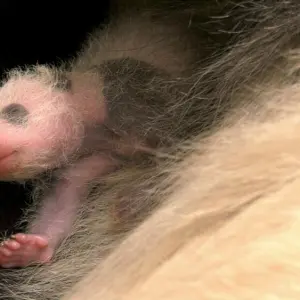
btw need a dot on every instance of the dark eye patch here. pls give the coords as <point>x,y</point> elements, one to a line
<point>15,114</point>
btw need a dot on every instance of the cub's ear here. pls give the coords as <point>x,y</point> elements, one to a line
<point>135,95</point>
<point>57,78</point>
<point>131,83</point>
<point>62,81</point>
<point>128,70</point>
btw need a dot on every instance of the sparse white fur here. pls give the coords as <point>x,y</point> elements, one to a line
<point>229,226</point>
<point>41,81</point>
<point>97,227</point>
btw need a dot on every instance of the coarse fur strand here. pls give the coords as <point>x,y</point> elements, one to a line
<point>228,181</point>
<point>113,204</point>
<point>229,228</point>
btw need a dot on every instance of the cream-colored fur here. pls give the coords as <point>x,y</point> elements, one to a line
<point>230,229</point>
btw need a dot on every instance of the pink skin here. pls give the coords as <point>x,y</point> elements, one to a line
<point>20,146</point>
<point>58,210</point>
<point>55,218</point>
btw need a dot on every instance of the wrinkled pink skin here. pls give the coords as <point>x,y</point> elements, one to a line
<point>58,210</point>
<point>55,218</point>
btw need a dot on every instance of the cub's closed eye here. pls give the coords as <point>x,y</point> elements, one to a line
<point>15,114</point>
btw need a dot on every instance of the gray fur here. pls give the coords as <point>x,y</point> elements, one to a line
<point>142,61</point>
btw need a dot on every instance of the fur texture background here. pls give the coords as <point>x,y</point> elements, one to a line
<point>229,229</point>
<point>229,225</point>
